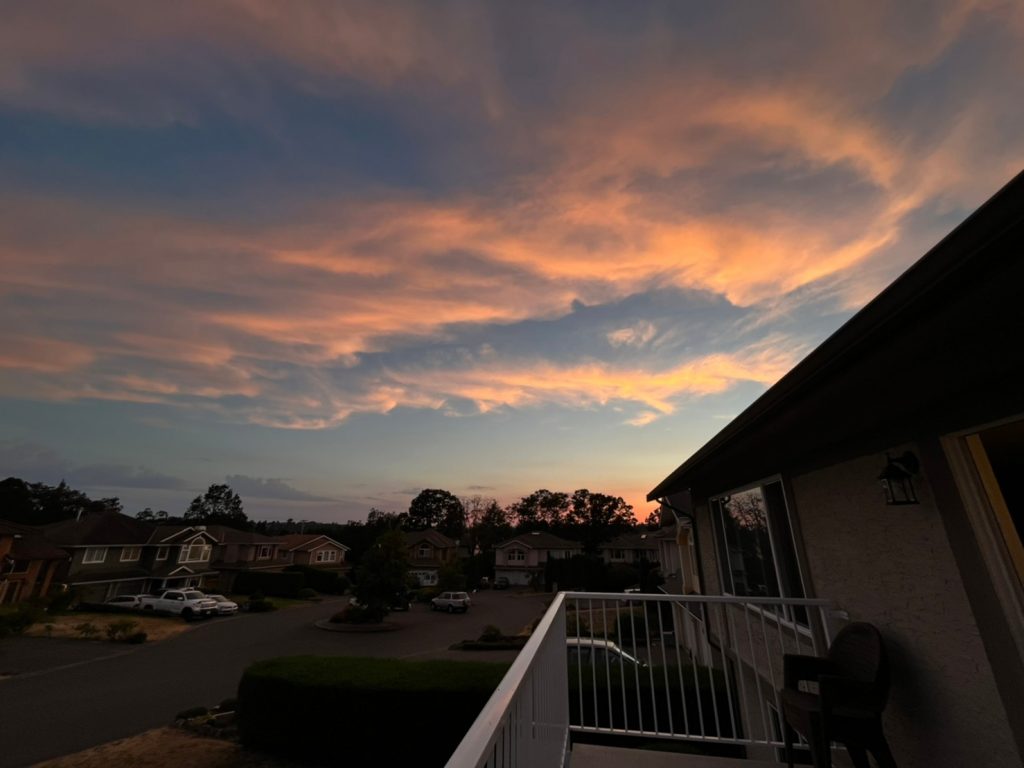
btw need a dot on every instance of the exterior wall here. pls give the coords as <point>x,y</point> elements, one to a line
<point>517,577</point>
<point>894,567</point>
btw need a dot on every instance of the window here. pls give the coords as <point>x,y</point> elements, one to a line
<point>130,554</point>
<point>95,555</point>
<point>326,556</point>
<point>756,554</point>
<point>264,552</point>
<point>196,552</point>
<point>516,556</point>
<point>618,554</point>
<point>162,553</point>
<point>423,552</point>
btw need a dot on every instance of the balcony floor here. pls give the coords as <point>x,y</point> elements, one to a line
<point>593,756</point>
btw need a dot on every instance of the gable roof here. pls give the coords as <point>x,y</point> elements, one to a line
<point>226,535</point>
<point>633,541</point>
<point>540,540</point>
<point>305,542</point>
<point>928,356</point>
<point>29,543</point>
<point>175,534</point>
<point>434,537</point>
<point>103,529</point>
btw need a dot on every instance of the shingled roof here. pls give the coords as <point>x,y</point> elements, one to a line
<point>102,529</point>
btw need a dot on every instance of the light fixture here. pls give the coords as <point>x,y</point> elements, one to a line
<point>896,479</point>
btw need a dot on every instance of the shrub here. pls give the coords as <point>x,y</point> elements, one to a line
<point>120,630</point>
<point>17,620</point>
<point>307,594</point>
<point>261,606</point>
<point>426,594</point>
<point>228,705</point>
<point>285,706</point>
<point>136,638</point>
<point>325,582</point>
<point>191,712</point>
<point>285,584</point>
<point>60,602</point>
<point>87,629</point>
<point>354,614</point>
<point>491,634</point>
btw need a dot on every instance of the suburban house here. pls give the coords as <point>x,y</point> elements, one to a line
<point>28,563</point>
<point>630,548</point>
<point>237,551</point>
<point>179,556</point>
<point>316,550</point>
<point>522,558</point>
<point>885,474</point>
<point>429,551</point>
<point>108,555</point>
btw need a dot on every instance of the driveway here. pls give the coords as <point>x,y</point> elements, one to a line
<point>80,701</point>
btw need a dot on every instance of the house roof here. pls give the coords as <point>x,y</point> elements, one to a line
<point>226,535</point>
<point>540,540</point>
<point>174,534</point>
<point>102,529</point>
<point>305,542</point>
<point>29,543</point>
<point>632,541</point>
<point>436,538</point>
<point>928,356</point>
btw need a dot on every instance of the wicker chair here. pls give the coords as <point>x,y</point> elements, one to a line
<point>853,686</point>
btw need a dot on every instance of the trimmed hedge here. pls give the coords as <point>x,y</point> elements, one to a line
<point>378,711</point>
<point>325,582</point>
<point>276,584</point>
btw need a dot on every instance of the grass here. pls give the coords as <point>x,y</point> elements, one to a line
<point>63,625</point>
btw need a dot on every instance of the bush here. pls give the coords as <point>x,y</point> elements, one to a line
<point>136,638</point>
<point>426,594</point>
<point>307,594</point>
<point>261,605</point>
<point>60,602</point>
<point>353,614</point>
<point>285,584</point>
<point>491,634</point>
<point>120,630</point>
<point>286,704</point>
<point>324,582</point>
<point>191,712</point>
<point>87,629</point>
<point>17,620</point>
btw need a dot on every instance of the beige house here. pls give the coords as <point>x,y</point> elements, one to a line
<point>522,558</point>
<point>429,551</point>
<point>885,473</point>
<point>316,550</point>
<point>630,548</point>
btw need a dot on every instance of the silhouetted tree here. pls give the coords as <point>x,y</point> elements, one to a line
<point>541,509</point>
<point>218,506</point>
<point>598,517</point>
<point>382,574</point>
<point>436,508</point>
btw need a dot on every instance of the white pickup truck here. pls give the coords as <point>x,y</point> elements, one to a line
<point>188,603</point>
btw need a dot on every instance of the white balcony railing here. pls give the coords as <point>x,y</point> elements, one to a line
<point>694,667</point>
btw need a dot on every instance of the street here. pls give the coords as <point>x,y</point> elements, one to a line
<point>107,691</point>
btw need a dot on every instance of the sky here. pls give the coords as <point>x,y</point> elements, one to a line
<point>335,253</point>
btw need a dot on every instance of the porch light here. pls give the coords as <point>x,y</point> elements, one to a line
<point>897,479</point>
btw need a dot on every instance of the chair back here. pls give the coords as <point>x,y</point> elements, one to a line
<point>858,653</point>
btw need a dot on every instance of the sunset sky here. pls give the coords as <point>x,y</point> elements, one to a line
<point>334,253</point>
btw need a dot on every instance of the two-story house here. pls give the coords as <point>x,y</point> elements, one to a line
<point>237,551</point>
<point>315,550</point>
<point>429,551</point>
<point>28,563</point>
<point>522,558</point>
<point>180,556</point>
<point>630,549</point>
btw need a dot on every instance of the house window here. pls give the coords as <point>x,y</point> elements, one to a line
<point>326,556</point>
<point>95,555</point>
<point>618,554</point>
<point>162,553</point>
<point>423,553</point>
<point>264,553</point>
<point>756,553</point>
<point>130,554</point>
<point>196,552</point>
<point>516,556</point>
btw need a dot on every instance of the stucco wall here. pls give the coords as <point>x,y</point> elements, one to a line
<point>893,566</point>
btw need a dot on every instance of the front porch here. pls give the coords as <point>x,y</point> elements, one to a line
<point>697,672</point>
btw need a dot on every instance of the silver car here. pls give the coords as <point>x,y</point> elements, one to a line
<point>451,602</point>
<point>224,606</point>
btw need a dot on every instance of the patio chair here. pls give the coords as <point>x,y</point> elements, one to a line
<point>853,686</point>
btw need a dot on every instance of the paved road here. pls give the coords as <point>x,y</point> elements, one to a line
<point>48,710</point>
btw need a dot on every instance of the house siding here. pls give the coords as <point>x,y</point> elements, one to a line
<point>945,709</point>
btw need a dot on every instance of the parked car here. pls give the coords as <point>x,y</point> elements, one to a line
<point>594,650</point>
<point>124,603</point>
<point>187,603</point>
<point>224,606</point>
<point>451,602</point>
<point>501,582</point>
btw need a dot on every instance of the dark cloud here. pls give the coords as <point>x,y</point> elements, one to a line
<point>122,476</point>
<point>270,488</point>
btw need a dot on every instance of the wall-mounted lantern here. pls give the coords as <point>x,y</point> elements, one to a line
<point>897,479</point>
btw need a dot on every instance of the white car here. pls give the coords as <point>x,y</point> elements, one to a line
<point>594,650</point>
<point>224,606</point>
<point>451,602</point>
<point>125,602</point>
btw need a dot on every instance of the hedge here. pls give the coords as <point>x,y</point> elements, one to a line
<point>327,582</point>
<point>377,711</point>
<point>276,584</point>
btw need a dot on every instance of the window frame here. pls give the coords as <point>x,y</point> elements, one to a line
<point>263,552</point>
<point>129,550</point>
<point>86,560</point>
<point>787,616</point>
<point>163,553</point>
<point>516,555</point>
<point>204,548</point>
